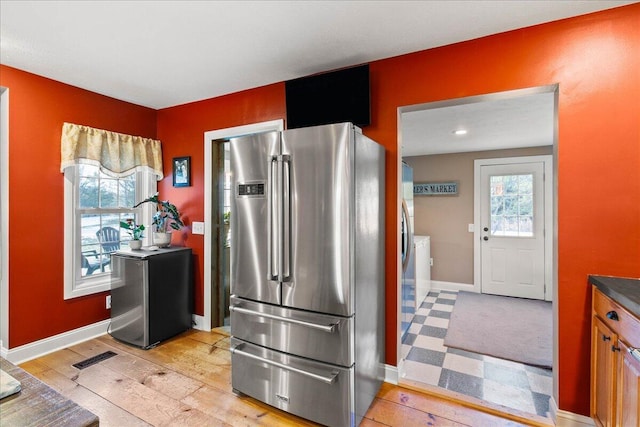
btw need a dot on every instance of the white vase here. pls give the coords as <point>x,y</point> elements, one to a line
<point>135,244</point>
<point>162,240</point>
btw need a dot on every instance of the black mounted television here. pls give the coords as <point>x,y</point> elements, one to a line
<point>333,97</point>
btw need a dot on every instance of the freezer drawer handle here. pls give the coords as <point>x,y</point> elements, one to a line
<point>325,328</point>
<point>327,380</point>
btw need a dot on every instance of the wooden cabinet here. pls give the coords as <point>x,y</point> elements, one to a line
<point>615,371</point>
<point>628,384</point>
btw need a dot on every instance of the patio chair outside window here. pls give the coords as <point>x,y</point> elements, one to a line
<point>92,261</point>
<point>109,239</point>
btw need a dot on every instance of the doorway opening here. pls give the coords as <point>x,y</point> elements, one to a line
<point>220,245</point>
<point>217,202</point>
<point>428,138</point>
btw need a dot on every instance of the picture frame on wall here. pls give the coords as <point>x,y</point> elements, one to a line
<point>182,171</point>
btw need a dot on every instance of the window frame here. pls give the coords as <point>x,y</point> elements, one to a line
<point>74,284</point>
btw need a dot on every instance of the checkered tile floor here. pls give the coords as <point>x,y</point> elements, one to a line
<point>427,360</point>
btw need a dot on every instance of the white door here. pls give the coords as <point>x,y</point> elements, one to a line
<point>512,229</point>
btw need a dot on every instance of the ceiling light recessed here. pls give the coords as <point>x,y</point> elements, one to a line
<point>460,132</point>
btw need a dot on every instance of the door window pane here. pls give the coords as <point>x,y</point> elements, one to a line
<point>511,205</point>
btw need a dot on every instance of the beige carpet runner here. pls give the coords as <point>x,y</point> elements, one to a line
<point>509,328</point>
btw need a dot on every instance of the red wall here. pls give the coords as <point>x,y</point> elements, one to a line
<point>595,59</point>
<point>37,109</point>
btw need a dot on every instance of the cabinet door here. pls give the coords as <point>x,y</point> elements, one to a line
<point>628,398</point>
<point>603,374</point>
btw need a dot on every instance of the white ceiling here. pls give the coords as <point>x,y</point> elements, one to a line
<point>165,53</point>
<point>495,121</point>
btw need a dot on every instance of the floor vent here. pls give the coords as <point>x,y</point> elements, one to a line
<point>95,359</point>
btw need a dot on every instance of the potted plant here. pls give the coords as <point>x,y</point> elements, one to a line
<point>135,231</point>
<point>165,220</point>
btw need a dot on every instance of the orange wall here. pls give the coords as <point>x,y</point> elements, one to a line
<point>37,109</point>
<point>595,59</point>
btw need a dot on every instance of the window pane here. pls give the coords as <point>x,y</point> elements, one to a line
<point>525,205</point>
<point>108,193</point>
<point>111,220</point>
<point>127,194</point>
<point>497,205</point>
<point>497,228</point>
<point>496,186</point>
<point>88,192</point>
<point>510,225</point>
<point>512,205</point>
<point>525,184</point>
<point>526,226</point>
<point>89,225</point>
<point>510,184</point>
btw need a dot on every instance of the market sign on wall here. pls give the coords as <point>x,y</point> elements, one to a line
<point>436,189</point>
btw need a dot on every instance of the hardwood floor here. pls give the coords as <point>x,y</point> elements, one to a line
<point>186,381</point>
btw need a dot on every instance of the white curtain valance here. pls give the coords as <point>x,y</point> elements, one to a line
<point>116,154</point>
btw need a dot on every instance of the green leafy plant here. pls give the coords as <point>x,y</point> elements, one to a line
<point>167,214</point>
<point>134,230</point>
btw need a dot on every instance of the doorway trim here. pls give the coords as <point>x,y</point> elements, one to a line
<point>204,322</point>
<point>4,221</point>
<point>547,161</point>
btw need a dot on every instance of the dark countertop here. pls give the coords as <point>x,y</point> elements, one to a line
<point>625,292</point>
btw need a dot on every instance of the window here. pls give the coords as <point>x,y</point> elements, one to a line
<point>95,203</point>
<point>512,205</point>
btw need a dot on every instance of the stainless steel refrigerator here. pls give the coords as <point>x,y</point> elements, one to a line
<point>408,286</point>
<point>307,271</point>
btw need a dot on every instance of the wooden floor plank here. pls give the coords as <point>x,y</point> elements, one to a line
<point>186,381</point>
<point>196,362</point>
<point>395,414</point>
<point>154,376</point>
<point>440,408</point>
<point>148,404</point>
<point>241,410</point>
<point>110,414</point>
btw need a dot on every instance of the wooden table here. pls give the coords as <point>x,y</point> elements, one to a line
<point>38,404</point>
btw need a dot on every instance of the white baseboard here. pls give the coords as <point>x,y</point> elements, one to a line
<point>438,285</point>
<point>390,374</point>
<point>39,348</point>
<point>197,322</point>
<point>568,419</point>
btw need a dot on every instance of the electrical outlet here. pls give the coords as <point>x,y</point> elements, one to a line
<point>197,227</point>
<point>108,302</point>
<point>431,262</point>
<point>470,228</point>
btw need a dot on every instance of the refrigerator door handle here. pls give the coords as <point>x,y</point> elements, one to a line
<point>326,328</point>
<point>272,233</point>
<point>286,217</point>
<point>330,379</point>
<point>405,211</point>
